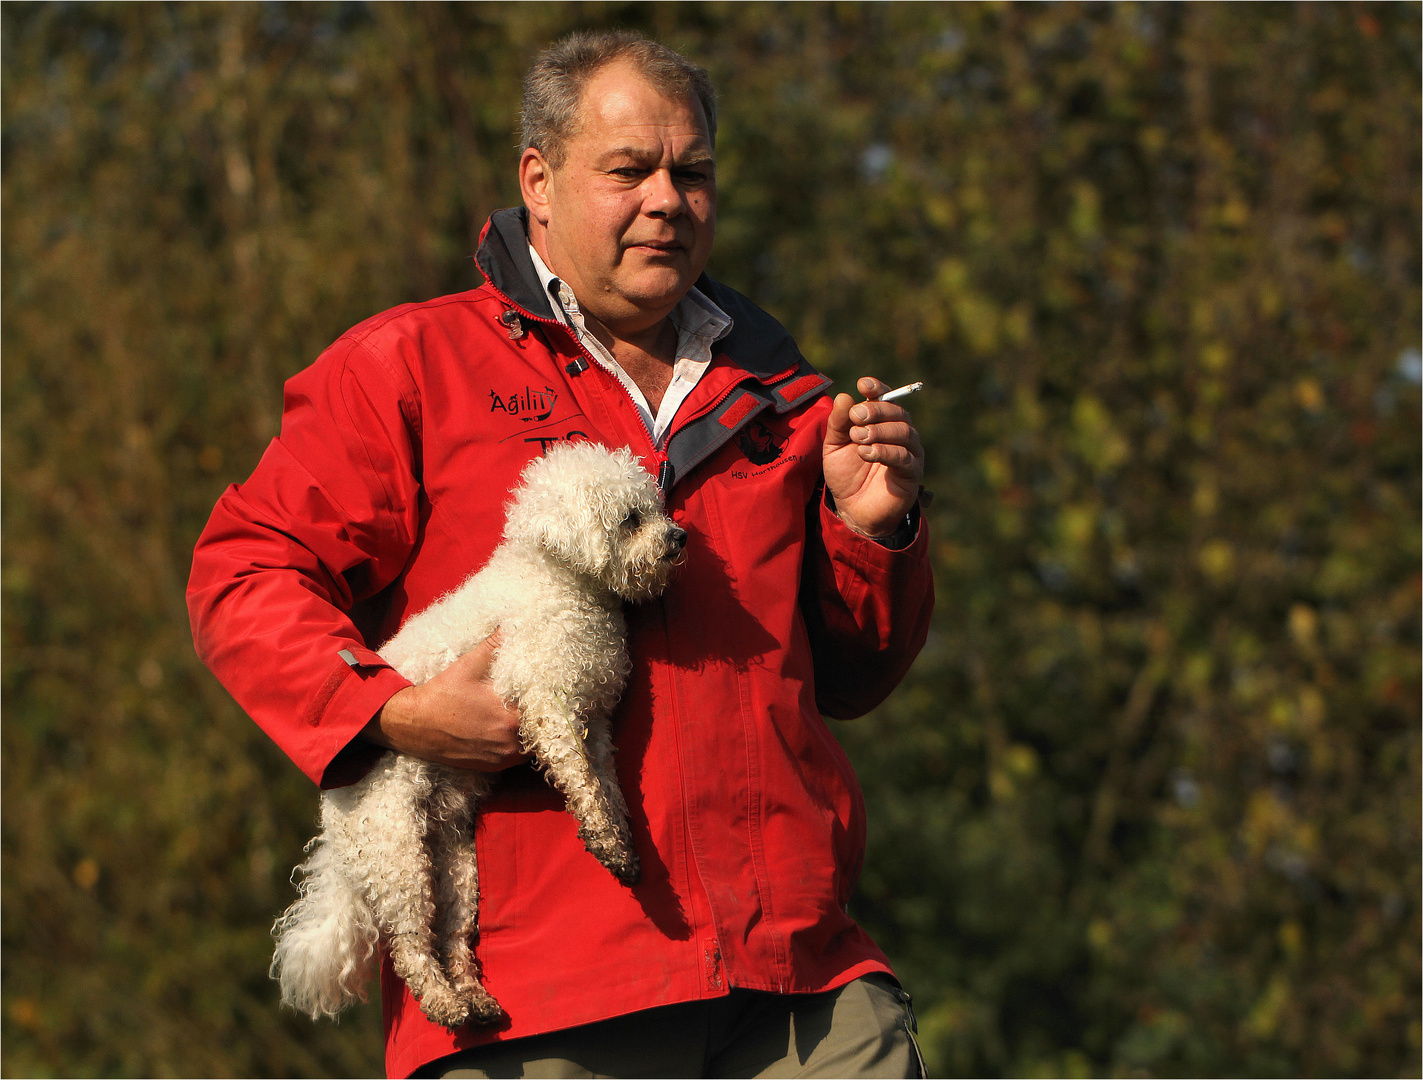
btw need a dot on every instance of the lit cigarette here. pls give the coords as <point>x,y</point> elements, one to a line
<point>903,391</point>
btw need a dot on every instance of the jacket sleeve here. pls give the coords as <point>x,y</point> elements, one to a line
<point>866,610</point>
<point>328,518</point>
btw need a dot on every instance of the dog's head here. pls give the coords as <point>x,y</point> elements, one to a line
<point>599,512</point>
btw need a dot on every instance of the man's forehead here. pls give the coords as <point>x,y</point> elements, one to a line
<point>687,150</point>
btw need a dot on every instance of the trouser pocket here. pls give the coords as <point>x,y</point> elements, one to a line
<point>911,1026</point>
<point>907,1022</point>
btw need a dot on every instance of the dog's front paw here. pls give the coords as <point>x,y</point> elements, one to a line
<point>617,854</point>
<point>626,868</point>
<point>483,1008</point>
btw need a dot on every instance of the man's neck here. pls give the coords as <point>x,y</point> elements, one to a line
<point>646,355</point>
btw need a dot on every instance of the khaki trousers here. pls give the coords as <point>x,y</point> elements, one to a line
<point>865,1028</point>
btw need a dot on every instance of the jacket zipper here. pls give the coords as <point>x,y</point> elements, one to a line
<point>665,473</point>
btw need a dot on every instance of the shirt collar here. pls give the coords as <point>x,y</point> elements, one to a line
<point>699,323</point>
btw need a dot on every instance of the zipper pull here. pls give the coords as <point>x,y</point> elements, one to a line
<point>513,324</point>
<point>664,477</point>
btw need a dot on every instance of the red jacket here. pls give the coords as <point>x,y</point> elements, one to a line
<point>386,488</point>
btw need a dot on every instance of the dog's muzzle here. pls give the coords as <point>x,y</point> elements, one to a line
<point>676,541</point>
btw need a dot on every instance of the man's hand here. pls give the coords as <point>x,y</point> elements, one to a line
<point>454,719</point>
<point>873,461</point>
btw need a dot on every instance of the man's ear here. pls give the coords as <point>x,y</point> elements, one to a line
<point>536,183</point>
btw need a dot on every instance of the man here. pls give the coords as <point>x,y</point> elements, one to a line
<point>805,590</point>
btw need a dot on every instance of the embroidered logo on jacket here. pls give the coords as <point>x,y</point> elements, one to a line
<point>760,444</point>
<point>528,405</point>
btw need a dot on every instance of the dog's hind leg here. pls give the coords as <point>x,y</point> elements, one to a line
<point>457,901</point>
<point>390,836</point>
<point>458,928</point>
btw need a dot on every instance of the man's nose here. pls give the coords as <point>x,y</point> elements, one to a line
<point>661,197</point>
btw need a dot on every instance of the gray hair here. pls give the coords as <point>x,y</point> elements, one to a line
<point>553,88</point>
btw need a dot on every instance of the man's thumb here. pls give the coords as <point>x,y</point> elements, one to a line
<point>837,431</point>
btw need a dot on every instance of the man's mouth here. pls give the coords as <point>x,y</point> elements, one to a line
<point>661,247</point>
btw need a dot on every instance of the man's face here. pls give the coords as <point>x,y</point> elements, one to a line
<point>630,214</point>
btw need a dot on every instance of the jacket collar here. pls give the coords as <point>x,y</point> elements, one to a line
<point>757,343</point>
<point>503,257</point>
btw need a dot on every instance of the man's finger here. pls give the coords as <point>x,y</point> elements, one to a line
<point>871,388</point>
<point>900,434</point>
<point>891,455</point>
<point>489,645</point>
<point>878,412</point>
<point>838,426</point>
<point>888,452</point>
<point>475,664</point>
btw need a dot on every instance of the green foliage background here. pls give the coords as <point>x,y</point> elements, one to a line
<point>1149,802</point>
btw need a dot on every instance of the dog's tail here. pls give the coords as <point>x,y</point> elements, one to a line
<point>326,941</point>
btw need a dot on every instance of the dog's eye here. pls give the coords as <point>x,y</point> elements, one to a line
<point>633,520</point>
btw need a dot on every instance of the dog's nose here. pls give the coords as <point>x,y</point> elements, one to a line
<point>676,538</point>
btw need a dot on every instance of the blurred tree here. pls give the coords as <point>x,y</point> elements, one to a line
<point>1148,804</point>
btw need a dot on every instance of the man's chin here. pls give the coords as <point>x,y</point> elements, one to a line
<point>657,287</point>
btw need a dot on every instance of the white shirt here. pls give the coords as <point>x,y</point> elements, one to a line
<point>699,322</point>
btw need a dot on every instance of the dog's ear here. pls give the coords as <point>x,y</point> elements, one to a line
<point>560,512</point>
<point>574,536</point>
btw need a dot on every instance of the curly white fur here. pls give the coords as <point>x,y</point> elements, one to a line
<point>394,860</point>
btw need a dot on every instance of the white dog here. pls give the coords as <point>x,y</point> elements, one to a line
<point>395,858</point>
